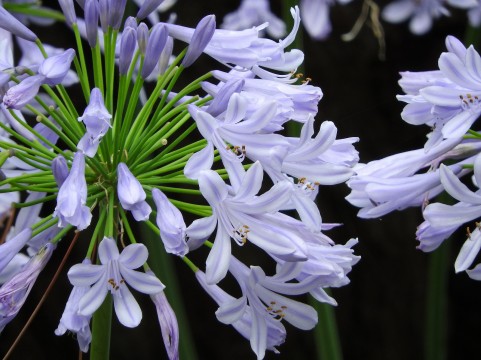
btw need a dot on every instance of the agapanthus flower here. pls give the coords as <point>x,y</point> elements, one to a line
<point>102,157</point>
<point>74,322</point>
<point>112,275</point>
<point>448,101</point>
<point>14,292</point>
<point>421,13</point>
<point>315,15</point>
<point>252,13</point>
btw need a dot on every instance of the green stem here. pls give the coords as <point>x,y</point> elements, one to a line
<point>326,334</point>
<point>436,305</point>
<point>101,331</point>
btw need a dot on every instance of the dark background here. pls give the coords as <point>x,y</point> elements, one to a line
<point>381,313</point>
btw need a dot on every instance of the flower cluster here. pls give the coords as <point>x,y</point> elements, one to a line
<point>132,152</point>
<point>448,101</point>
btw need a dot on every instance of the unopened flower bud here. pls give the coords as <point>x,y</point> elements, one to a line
<point>200,39</point>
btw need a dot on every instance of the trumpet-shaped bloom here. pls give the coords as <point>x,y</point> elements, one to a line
<point>131,194</point>
<point>242,216</point>
<point>263,295</point>
<point>72,197</point>
<point>114,273</point>
<point>246,324</point>
<point>171,224</point>
<point>72,321</point>
<point>97,121</point>
<point>15,291</point>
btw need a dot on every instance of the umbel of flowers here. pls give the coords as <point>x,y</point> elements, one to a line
<point>135,155</point>
<point>448,101</point>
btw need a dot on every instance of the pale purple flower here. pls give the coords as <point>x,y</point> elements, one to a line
<point>474,15</point>
<point>421,13</point>
<point>12,246</point>
<point>252,13</point>
<point>442,215</point>
<point>96,116</point>
<point>128,42</point>
<point>97,121</point>
<point>131,194</point>
<point>55,68</point>
<point>21,94</point>
<point>294,102</point>
<point>155,45</point>
<point>447,101</point>
<point>264,295</point>
<point>72,321</point>
<point>275,333</point>
<point>147,7</point>
<point>14,292</point>
<point>235,129</point>
<point>242,216</point>
<point>13,267</point>
<point>116,12</point>
<point>72,197</point>
<point>68,10</point>
<point>142,37</point>
<point>171,224</point>
<point>59,170</point>
<point>245,49</point>
<point>92,21</point>
<point>315,17</point>
<point>113,274</point>
<point>469,251</point>
<point>168,323</point>
<point>200,39</point>
<point>12,25</point>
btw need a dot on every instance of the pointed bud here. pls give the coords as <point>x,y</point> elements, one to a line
<point>104,14</point>
<point>130,22</point>
<point>92,21</point>
<point>165,55</point>
<point>157,40</point>
<point>221,99</point>
<point>147,7</point>
<point>55,67</point>
<point>200,39</point>
<point>59,170</point>
<point>11,24</point>
<point>68,10</point>
<point>127,48</point>
<point>142,37</point>
<point>131,194</point>
<point>168,323</point>
<point>171,224</point>
<point>116,13</point>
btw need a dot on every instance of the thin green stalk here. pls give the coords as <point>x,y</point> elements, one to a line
<point>326,334</point>
<point>435,346</point>
<point>84,80</point>
<point>101,330</point>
